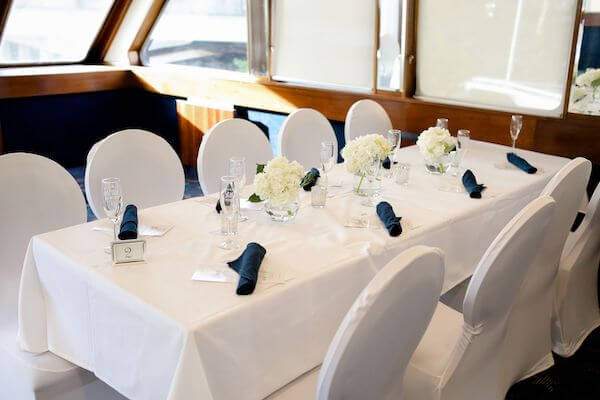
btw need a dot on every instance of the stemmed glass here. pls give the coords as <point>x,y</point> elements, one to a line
<point>229,198</point>
<point>516,123</point>
<point>328,157</point>
<point>394,136</point>
<point>237,169</point>
<point>113,201</point>
<point>371,173</point>
<point>442,123</point>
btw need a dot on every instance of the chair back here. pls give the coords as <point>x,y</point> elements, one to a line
<point>232,137</point>
<point>301,135</point>
<point>577,310</point>
<point>532,320</point>
<point>490,301</point>
<point>365,117</point>
<point>150,170</point>
<point>37,196</point>
<point>371,349</point>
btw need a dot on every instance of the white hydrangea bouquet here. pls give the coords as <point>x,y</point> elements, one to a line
<point>359,154</point>
<point>279,184</point>
<point>585,94</point>
<point>435,143</point>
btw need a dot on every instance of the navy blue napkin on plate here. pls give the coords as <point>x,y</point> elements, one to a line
<point>310,179</point>
<point>218,206</point>
<point>129,223</point>
<point>520,163</point>
<point>387,163</point>
<point>247,266</point>
<point>385,212</point>
<point>471,185</point>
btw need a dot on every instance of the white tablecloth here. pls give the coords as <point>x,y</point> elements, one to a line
<point>151,332</point>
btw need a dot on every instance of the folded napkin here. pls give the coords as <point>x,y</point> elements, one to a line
<point>389,219</point>
<point>310,179</point>
<point>520,163</point>
<point>387,163</point>
<point>218,206</point>
<point>129,223</point>
<point>471,185</point>
<point>247,266</point>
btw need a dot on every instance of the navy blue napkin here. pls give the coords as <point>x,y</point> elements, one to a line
<point>247,266</point>
<point>471,185</point>
<point>218,206</point>
<point>520,163</point>
<point>129,223</point>
<point>385,212</point>
<point>310,179</point>
<point>387,163</point>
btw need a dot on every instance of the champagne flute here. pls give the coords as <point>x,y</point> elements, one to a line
<point>113,201</point>
<point>328,157</point>
<point>229,198</point>
<point>371,174</point>
<point>516,123</point>
<point>237,169</point>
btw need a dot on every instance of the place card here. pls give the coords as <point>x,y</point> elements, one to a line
<point>214,273</point>
<point>357,221</point>
<point>128,251</point>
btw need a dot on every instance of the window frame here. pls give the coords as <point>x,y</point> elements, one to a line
<point>97,49</point>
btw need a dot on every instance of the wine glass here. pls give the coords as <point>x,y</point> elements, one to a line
<point>442,123</point>
<point>516,123</point>
<point>463,138</point>
<point>237,169</point>
<point>327,157</point>
<point>229,198</point>
<point>113,201</point>
<point>372,173</point>
<point>394,136</point>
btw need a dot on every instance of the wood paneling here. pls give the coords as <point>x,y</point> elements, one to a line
<point>4,9</point>
<point>108,31</point>
<point>194,121</point>
<point>42,81</point>
<point>145,29</point>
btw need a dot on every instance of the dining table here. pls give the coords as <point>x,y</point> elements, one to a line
<point>152,332</point>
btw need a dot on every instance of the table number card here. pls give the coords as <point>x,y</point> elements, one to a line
<point>127,251</point>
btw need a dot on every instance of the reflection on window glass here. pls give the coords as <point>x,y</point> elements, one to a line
<point>390,57</point>
<point>51,31</point>
<point>585,91</point>
<point>209,34</point>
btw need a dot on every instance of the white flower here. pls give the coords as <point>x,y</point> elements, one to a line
<point>361,152</point>
<point>280,181</point>
<point>435,142</point>
<point>591,77</point>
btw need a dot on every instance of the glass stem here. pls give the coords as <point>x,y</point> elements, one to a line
<point>514,142</point>
<point>115,230</point>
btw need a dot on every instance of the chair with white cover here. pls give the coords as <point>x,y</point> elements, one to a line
<point>232,137</point>
<point>370,350</point>
<point>464,356</point>
<point>150,170</point>
<point>301,136</point>
<point>38,196</point>
<point>577,311</point>
<point>365,117</point>
<point>531,322</point>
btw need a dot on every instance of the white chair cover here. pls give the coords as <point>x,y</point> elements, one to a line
<point>230,138</point>
<point>462,356</point>
<point>150,170</point>
<point>365,117</point>
<point>532,319</point>
<point>38,196</point>
<point>577,311</point>
<point>301,135</point>
<point>369,353</point>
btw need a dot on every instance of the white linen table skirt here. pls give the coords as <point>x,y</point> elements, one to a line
<point>151,332</point>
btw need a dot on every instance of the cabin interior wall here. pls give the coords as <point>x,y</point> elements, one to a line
<point>64,127</point>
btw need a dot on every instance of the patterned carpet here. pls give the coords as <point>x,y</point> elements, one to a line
<point>577,377</point>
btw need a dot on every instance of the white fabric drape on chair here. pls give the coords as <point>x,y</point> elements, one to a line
<point>366,117</point>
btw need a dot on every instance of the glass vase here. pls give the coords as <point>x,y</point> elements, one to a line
<point>282,212</point>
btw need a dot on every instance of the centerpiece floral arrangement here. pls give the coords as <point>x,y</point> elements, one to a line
<point>278,182</point>
<point>434,144</point>
<point>585,94</point>
<point>359,154</point>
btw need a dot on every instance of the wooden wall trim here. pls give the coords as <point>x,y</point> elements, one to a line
<point>107,32</point>
<point>4,9</point>
<point>572,55</point>
<point>44,81</point>
<point>145,29</point>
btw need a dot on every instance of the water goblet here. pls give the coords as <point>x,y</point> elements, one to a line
<point>237,169</point>
<point>372,174</point>
<point>229,198</point>
<point>327,156</point>
<point>113,201</point>
<point>442,123</point>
